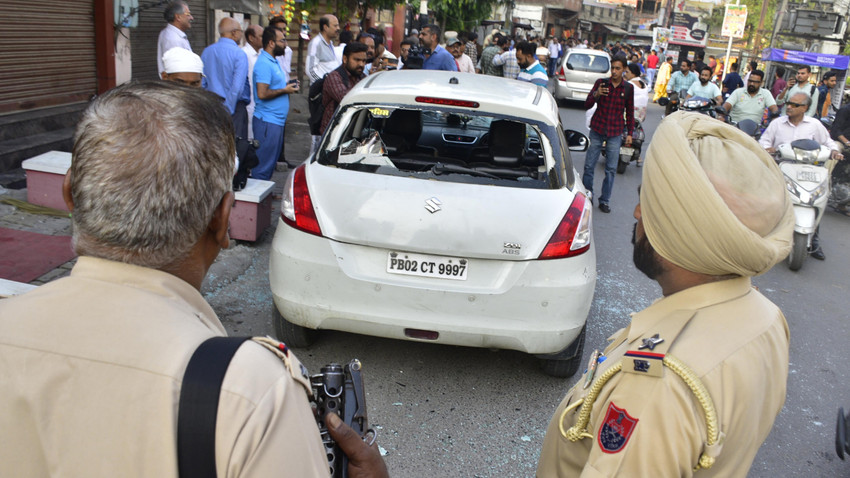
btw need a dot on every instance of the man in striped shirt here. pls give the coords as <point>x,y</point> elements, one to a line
<point>532,71</point>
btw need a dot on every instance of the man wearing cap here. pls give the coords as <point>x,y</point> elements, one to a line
<point>179,20</point>
<point>464,62</point>
<point>182,66</point>
<point>692,385</point>
<point>226,73</point>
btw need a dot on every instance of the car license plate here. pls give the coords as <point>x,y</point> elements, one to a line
<point>624,151</point>
<point>579,95</point>
<point>812,176</point>
<point>423,265</point>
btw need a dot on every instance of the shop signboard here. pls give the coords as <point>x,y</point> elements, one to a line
<point>689,26</point>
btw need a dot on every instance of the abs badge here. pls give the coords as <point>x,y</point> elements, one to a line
<point>616,429</point>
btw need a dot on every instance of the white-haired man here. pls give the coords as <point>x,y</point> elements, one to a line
<point>179,20</point>
<point>111,342</point>
<point>796,124</point>
<point>692,386</point>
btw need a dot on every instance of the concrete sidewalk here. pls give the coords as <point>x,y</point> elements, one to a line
<point>297,146</point>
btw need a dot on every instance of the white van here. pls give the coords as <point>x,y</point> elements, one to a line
<point>579,70</point>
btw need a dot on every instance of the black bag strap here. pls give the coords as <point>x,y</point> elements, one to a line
<point>196,415</point>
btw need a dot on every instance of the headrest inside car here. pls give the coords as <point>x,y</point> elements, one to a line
<point>507,141</point>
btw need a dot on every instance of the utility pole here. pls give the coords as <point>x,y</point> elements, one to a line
<point>778,23</point>
<point>757,43</point>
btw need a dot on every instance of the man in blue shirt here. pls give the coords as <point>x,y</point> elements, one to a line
<point>271,90</point>
<point>440,59</point>
<point>532,71</point>
<point>226,73</point>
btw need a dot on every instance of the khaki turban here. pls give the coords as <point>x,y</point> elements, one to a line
<point>712,200</point>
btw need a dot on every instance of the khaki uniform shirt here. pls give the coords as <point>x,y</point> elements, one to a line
<point>90,373</point>
<point>735,341</point>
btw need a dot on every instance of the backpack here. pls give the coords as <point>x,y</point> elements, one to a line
<point>316,103</point>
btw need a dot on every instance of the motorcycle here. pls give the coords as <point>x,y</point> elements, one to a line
<point>698,104</point>
<point>631,153</point>
<point>673,101</point>
<point>802,162</point>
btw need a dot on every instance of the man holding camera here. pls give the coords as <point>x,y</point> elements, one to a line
<point>440,58</point>
<point>93,363</point>
<point>615,99</point>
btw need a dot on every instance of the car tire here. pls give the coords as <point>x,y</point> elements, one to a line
<point>566,363</point>
<point>291,334</point>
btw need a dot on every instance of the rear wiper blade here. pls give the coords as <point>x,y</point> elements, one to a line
<point>441,168</point>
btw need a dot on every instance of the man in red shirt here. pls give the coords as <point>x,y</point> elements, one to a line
<point>651,67</point>
<point>340,81</point>
<point>615,99</point>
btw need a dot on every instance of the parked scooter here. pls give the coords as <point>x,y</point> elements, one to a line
<point>631,153</point>
<point>807,179</point>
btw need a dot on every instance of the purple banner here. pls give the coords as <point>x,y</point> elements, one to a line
<point>837,62</point>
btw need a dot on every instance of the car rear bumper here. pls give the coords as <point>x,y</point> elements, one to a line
<point>537,306</point>
<point>570,91</point>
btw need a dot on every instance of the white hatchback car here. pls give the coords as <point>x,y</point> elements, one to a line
<point>441,207</point>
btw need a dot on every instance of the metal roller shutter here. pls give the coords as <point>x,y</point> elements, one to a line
<point>143,38</point>
<point>56,68</point>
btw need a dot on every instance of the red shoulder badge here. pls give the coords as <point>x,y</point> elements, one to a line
<point>616,428</point>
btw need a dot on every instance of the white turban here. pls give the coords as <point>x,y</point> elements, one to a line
<point>181,60</point>
<point>712,200</point>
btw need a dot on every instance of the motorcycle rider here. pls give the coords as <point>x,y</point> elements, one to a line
<point>796,125</point>
<point>750,103</point>
<point>680,80</point>
<point>705,88</point>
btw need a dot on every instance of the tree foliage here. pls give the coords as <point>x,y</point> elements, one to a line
<point>753,15</point>
<point>462,15</point>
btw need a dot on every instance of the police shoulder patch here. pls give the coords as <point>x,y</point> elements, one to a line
<point>617,426</point>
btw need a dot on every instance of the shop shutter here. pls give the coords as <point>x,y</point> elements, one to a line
<point>143,39</point>
<point>47,57</point>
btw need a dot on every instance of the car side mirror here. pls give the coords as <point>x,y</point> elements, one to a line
<point>664,101</point>
<point>576,141</point>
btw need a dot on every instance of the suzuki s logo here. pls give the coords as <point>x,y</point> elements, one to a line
<point>433,205</point>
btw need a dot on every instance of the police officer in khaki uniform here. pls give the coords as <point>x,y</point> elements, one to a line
<point>91,365</point>
<point>692,386</point>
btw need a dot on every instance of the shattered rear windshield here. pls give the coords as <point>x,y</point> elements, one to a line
<point>447,145</point>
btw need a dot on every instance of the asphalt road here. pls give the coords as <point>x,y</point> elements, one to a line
<point>454,411</point>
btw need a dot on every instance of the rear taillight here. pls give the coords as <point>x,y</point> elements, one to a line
<point>572,237</point>
<point>296,209</point>
<point>561,75</point>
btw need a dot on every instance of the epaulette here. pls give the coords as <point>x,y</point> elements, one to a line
<point>293,365</point>
<point>651,363</point>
